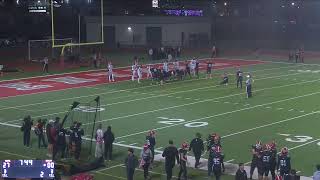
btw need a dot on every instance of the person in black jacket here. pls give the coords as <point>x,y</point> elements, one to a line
<point>61,143</point>
<point>241,173</point>
<point>76,139</point>
<point>39,132</point>
<point>131,163</point>
<point>108,137</point>
<point>151,140</point>
<point>26,128</point>
<point>197,148</point>
<point>170,154</point>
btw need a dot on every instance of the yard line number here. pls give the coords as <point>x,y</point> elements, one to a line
<point>171,121</point>
<point>298,139</point>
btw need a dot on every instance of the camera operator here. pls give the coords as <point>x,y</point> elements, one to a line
<point>39,132</point>
<point>76,139</point>
<point>61,142</point>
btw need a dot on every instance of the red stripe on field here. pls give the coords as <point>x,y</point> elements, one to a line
<point>99,77</point>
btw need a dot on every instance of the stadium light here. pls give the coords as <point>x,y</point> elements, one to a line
<point>292,4</point>
<point>39,1</point>
<point>129,29</point>
<point>17,2</point>
<point>225,3</point>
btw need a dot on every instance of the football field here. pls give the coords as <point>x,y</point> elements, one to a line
<point>284,108</point>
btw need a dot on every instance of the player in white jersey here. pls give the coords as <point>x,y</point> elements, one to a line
<point>110,72</point>
<point>193,66</point>
<point>139,71</point>
<point>165,67</point>
<point>149,73</point>
<point>134,71</point>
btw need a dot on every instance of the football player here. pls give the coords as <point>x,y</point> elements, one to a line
<point>256,159</point>
<point>225,79</point>
<point>139,72</point>
<point>273,159</point>
<point>183,160</point>
<point>149,71</point>
<point>217,162</point>
<point>110,72</point>
<point>266,157</point>
<point>284,162</point>
<point>134,71</point>
<point>193,66</point>
<point>187,70</point>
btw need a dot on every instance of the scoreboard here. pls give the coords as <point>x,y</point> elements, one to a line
<point>27,169</point>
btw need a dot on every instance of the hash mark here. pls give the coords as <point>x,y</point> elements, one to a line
<point>302,111</point>
<point>279,108</point>
<point>188,98</point>
<point>133,144</point>
<point>291,110</point>
<point>268,107</point>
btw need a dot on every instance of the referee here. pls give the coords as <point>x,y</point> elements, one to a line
<point>249,86</point>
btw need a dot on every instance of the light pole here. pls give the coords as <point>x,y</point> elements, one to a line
<point>130,30</point>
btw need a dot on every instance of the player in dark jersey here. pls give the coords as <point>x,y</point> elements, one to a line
<point>256,159</point>
<point>209,69</point>
<point>217,161</point>
<point>183,160</point>
<point>284,162</point>
<point>239,77</point>
<point>273,159</point>
<point>225,79</point>
<point>266,157</point>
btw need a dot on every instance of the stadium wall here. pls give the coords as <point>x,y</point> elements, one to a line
<point>196,30</point>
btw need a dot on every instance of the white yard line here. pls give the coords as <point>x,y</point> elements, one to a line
<point>225,113</point>
<point>115,91</point>
<point>111,167</point>
<point>269,124</point>
<point>197,102</point>
<point>229,161</point>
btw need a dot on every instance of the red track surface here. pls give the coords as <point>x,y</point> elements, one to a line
<point>73,80</point>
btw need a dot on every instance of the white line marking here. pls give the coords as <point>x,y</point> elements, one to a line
<point>229,161</point>
<point>229,112</point>
<point>121,142</point>
<point>302,111</point>
<point>133,144</point>
<point>127,90</point>
<point>227,102</point>
<point>279,108</point>
<point>270,124</point>
<point>290,110</point>
<point>159,148</point>
<point>111,167</point>
<point>197,102</point>
<point>284,134</point>
<point>268,107</point>
<point>188,98</point>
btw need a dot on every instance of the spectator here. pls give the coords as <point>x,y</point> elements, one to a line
<point>108,137</point>
<point>26,128</point>
<point>146,157</point>
<point>151,140</point>
<point>131,163</point>
<point>99,142</point>
<point>49,138</point>
<point>170,154</point>
<point>316,175</point>
<point>241,173</point>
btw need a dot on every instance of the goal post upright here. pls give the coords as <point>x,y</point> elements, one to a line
<point>79,43</point>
